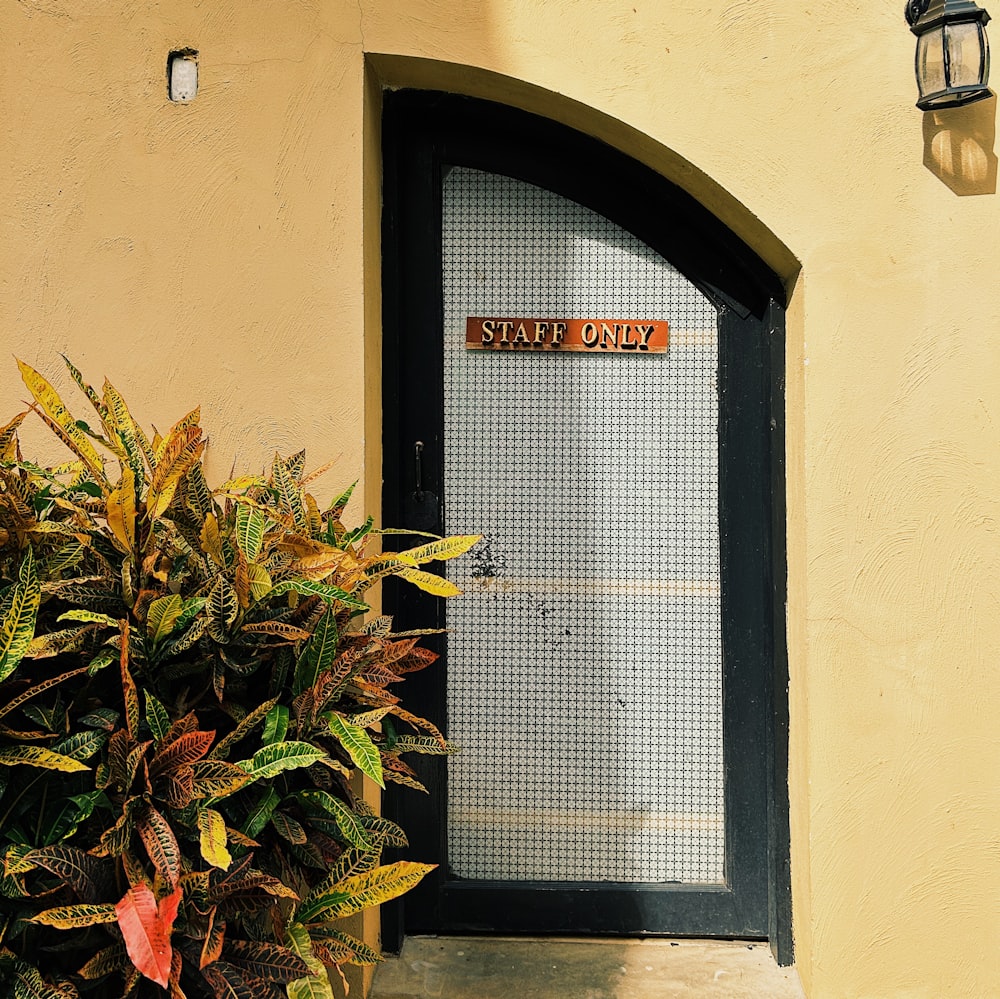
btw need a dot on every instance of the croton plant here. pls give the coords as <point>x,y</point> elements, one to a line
<point>189,691</point>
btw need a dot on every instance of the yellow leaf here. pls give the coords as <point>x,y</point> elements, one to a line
<point>37,756</point>
<point>121,510</point>
<point>211,540</point>
<point>181,449</point>
<point>260,581</point>
<point>212,829</point>
<point>437,585</point>
<point>61,421</point>
<point>457,544</point>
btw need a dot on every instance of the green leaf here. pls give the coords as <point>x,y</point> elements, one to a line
<point>358,533</point>
<point>18,626</point>
<point>362,891</point>
<point>351,830</point>
<point>319,652</point>
<point>36,756</point>
<point>272,760</point>
<point>156,717</point>
<point>359,747</point>
<point>261,813</point>
<point>80,745</point>
<point>275,725</point>
<point>337,506</point>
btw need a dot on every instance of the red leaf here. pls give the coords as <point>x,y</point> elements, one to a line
<point>146,929</point>
<point>186,749</point>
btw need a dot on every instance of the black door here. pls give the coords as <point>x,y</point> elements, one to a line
<point>609,672</point>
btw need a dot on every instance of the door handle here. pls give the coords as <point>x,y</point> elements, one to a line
<point>418,471</point>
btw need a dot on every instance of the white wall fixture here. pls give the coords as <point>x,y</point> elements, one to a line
<point>182,75</point>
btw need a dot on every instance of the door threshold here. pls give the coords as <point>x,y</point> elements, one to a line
<point>449,967</point>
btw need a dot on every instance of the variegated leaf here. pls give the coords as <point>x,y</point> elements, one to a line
<point>119,423</point>
<point>446,548</point>
<point>162,615</point>
<point>180,451</point>
<point>288,828</point>
<point>317,984</point>
<point>350,829</point>
<point>72,917</point>
<point>222,608</point>
<point>308,588</point>
<point>438,586</point>
<point>289,493</point>
<point>250,526</point>
<point>360,952</point>
<point>319,652</point>
<point>156,716</point>
<point>362,891</point>
<point>62,422</point>
<point>359,747</point>
<point>121,511</point>
<point>246,725</point>
<point>18,626</point>
<point>218,779</point>
<point>37,756</point>
<point>104,962</point>
<point>212,834</point>
<point>268,961</point>
<point>161,845</point>
<point>270,761</point>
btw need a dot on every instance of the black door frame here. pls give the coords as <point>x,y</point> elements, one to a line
<point>422,132</point>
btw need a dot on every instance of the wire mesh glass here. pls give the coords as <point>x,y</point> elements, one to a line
<point>584,656</point>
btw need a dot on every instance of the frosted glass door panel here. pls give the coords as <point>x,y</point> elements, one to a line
<point>584,659</point>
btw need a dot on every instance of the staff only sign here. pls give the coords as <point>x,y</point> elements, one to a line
<point>593,336</point>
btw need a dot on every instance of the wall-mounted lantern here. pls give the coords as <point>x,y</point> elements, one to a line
<point>953,54</point>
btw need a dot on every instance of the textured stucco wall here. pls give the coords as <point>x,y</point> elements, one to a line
<point>225,252</point>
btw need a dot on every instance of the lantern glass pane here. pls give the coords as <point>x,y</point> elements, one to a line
<point>965,54</point>
<point>930,63</point>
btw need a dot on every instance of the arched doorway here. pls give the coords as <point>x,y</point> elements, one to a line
<point>614,671</point>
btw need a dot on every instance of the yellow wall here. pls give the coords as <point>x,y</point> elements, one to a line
<point>226,252</point>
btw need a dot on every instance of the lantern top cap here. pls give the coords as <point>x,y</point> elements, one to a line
<point>926,15</point>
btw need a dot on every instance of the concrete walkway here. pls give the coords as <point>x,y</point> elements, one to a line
<point>559,968</point>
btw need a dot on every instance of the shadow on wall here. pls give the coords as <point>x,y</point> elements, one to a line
<point>958,147</point>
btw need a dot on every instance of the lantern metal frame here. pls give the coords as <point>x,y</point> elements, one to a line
<point>926,17</point>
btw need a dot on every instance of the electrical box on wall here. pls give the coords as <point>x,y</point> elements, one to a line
<point>182,75</point>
